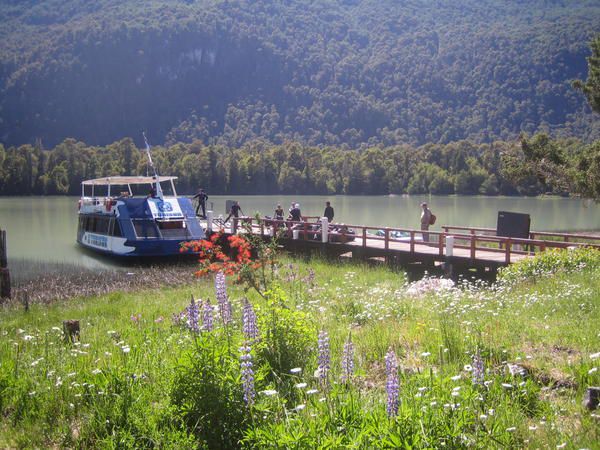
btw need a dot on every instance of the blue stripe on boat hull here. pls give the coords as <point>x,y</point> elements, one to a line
<point>144,248</point>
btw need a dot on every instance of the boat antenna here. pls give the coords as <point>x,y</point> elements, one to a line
<point>159,192</point>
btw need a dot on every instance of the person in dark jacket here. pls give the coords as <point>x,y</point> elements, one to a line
<point>295,214</point>
<point>279,212</point>
<point>425,220</point>
<point>235,211</point>
<point>328,212</point>
<point>202,197</point>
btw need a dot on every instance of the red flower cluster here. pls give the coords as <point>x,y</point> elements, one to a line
<point>213,258</point>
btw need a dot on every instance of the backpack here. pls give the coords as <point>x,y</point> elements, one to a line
<point>432,219</point>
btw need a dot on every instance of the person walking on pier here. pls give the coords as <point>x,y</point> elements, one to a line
<point>202,197</point>
<point>235,211</point>
<point>425,220</point>
<point>328,212</point>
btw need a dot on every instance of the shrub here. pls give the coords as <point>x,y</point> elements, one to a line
<point>549,263</point>
<point>287,336</point>
<point>207,392</point>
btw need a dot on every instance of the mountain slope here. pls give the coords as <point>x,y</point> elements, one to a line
<point>325,72</point>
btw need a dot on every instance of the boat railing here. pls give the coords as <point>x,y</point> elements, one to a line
<point>96,204</point>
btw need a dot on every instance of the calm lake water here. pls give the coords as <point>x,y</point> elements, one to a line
<point>44,228</point>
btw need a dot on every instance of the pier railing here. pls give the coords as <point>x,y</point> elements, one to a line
<point>476,244</point>
<point>539,235</point>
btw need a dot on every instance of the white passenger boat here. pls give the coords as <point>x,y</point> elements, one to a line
<point>117,218</point>
<point>132,216</point>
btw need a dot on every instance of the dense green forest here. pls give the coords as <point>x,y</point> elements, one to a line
<point>510,168</point>
<point>346,73</point>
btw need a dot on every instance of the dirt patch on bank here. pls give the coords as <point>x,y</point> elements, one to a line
<point>75,282</point>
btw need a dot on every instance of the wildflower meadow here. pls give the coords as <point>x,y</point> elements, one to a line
<point>311,354</point>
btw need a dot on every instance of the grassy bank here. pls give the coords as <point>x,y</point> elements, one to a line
<point>139,378</point>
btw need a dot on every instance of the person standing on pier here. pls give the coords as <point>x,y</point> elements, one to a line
<point>279,212</point>
<point>425,220</point>
<point>202,197</point>
<point>328,212</point>
<point>295,213</point>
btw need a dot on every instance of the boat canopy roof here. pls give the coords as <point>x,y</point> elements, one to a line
<point>125,180</point>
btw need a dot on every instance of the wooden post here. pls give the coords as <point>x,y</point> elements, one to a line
<point>387,239</point>
<point>441,243</point>
<point>473,244</point>
<point>3,253</point>
<point>591,398</point>
<point>71,330</point>
<point>507,257</point>
<point>25,295</point>
<point>4,272</point>
<point>305,231</point>
<point>412,241</point>
<point>364,235</point>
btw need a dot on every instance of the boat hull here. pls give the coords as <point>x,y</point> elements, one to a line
<point>133,249</point>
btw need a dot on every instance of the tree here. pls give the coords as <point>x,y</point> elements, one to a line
<point>58,180</point>
<point>591,87</point>
<point>527,167</point>
<point>587,176</point>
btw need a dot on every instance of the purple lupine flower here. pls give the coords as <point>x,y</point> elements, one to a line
<point>222,298</point>
<point>392,384</point>
<point>180,318</point>
<point>478,369</point>
<point>348,361</point>
<point>225,312</point>
<point>193,314</point>
<point>249,325</point>
<point>324,359</point>
<point>247,374</point>
<point>207,316</point>
<point>310,279</point>
<point>220,289</point>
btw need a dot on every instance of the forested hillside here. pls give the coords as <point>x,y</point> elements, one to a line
<point>325,72</point>
<point>258,168</point>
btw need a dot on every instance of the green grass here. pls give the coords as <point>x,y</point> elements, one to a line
<point>160,393</point>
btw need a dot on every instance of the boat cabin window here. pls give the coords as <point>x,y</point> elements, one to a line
<point>102,225</point>
<point>145,228</point>
<point>171,224</point>
<point>115,228</point>
<point>93,224</point>
<point>173,229</point>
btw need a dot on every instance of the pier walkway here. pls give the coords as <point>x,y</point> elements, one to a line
<point>463,248</point>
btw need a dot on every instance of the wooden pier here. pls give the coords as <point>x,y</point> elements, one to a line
<point>456,248</point>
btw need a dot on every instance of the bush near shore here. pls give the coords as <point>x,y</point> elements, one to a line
<point>333,356</point>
